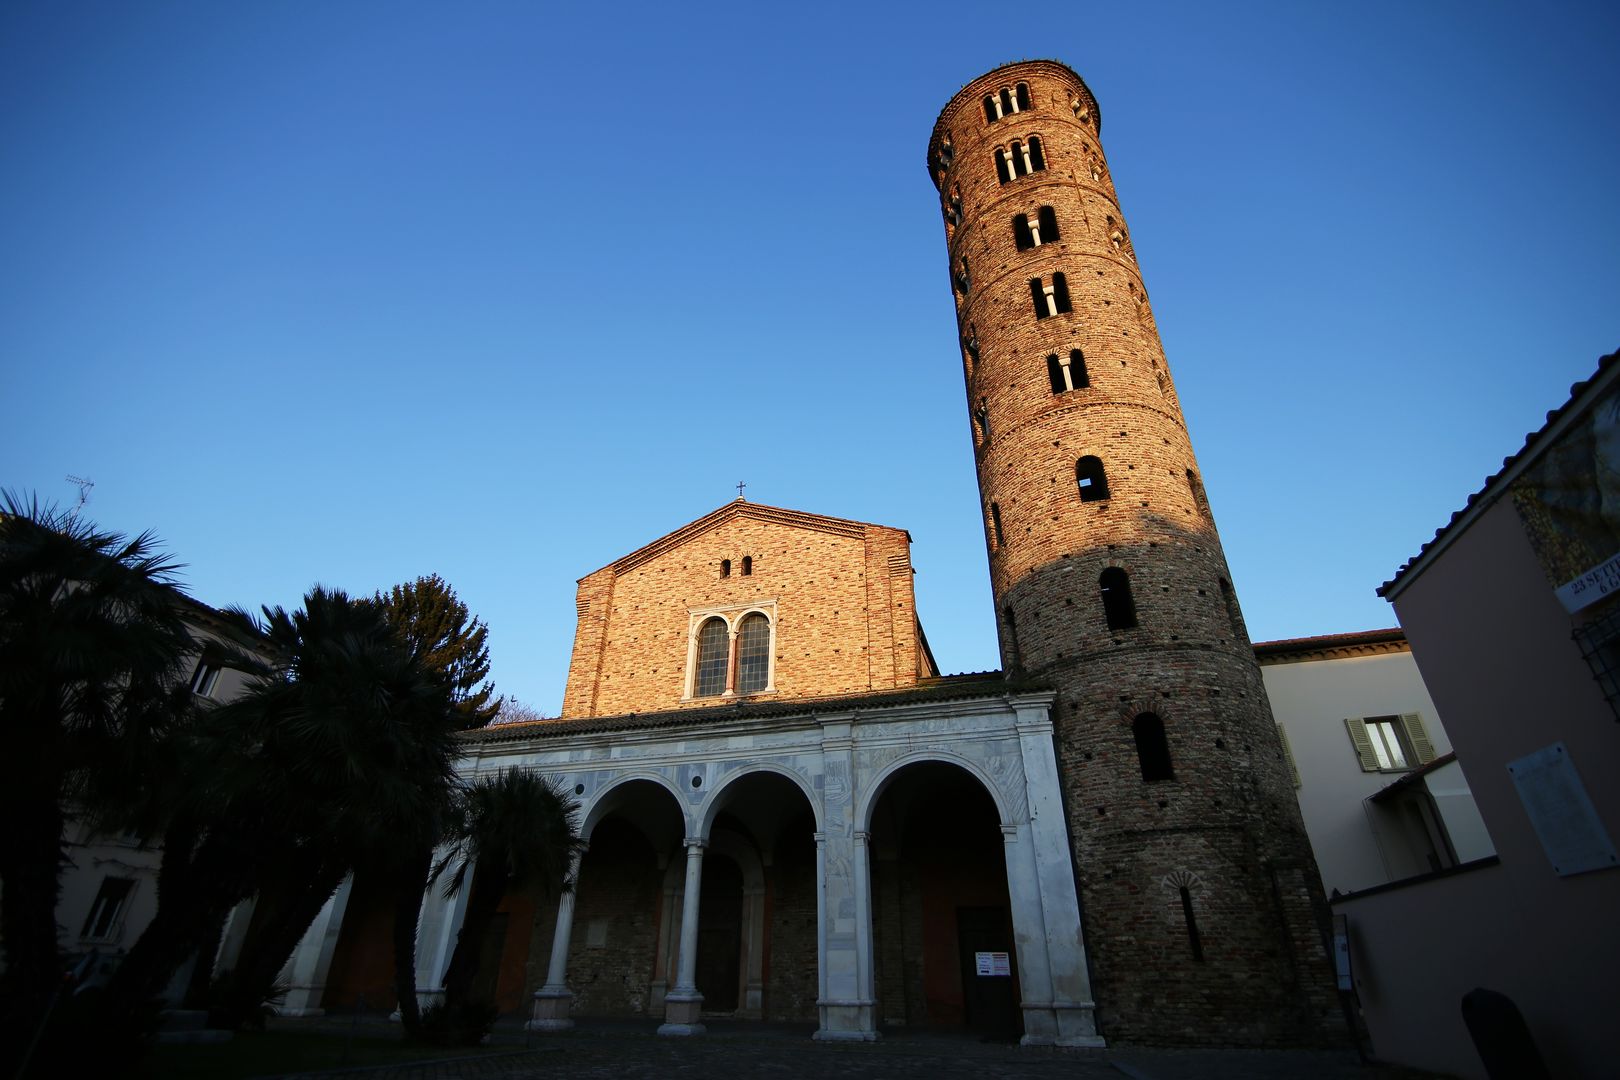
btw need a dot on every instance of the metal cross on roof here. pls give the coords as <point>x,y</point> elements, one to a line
<point>740,486</point>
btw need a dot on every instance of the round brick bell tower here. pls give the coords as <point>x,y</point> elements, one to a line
<point>1201,901</point>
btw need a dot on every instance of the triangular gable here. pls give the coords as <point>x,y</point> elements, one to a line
<point>731,512</point>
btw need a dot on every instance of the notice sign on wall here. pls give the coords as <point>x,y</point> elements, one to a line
<point>1565,821</point>
<point>991,963</point>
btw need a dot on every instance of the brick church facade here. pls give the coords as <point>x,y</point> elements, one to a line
<point>791,815</point>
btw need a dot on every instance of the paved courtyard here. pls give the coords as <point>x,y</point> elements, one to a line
<point>623,1052</point>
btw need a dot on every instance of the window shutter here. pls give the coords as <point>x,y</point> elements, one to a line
<point>1288,753</point>
<point>1364,747</point>
<point>1422,745</point>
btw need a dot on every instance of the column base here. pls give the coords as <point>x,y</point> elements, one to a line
<point>552,1006</point>
<point>847,1021</point>
<point>1060,1024</point>
<point>682,1008</point>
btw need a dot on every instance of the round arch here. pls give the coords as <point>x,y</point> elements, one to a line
<point>713,804</point>
<point>602,803</point>
<point>874,791</point>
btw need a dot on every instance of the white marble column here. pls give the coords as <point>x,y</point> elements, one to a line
<point>306,970</point>
<point>436,937</point>
<point>1072,1020</point>
<point>553,1001</point>
<point>684,1005</point>
<point>846,1007</point>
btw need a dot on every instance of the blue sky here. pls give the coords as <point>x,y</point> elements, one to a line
<point>353,292</point>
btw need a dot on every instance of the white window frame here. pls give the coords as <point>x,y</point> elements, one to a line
<point>115,923</point>
<point>1390,743</point>
<point>205,679</point>
<point>732,615</point>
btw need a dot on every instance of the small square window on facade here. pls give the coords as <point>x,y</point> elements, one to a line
<point>1390,743</point>
<point>205,679</point>
<point>106,917</point>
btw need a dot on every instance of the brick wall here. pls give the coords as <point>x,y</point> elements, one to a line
<point>845,615</point>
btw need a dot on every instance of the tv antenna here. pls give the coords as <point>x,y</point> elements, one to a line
<point>85,484</point>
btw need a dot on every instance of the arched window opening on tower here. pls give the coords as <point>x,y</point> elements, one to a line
<point>1196,486</point>
<point>748,565</point>
<point>970,345</point>
<point>1020,159</point>
<point>953,205</point>
<point>753,652</point>
<point>963,279</point>
<point>1082,111</point>
<point>725,567</point>
<point>1051,298</point>
<point>981,417</point>
<point>1119,609</point>
<point>995,525</point>
<point>1233,615</point>
<point>1152,748</point>
<point>1005,102</point>
<point>947,151</point>
<point>1067,372</point>
<point>713,657</point>
<point>1089,476</point>
<point>1032,234</point>
<point>1119,241</point>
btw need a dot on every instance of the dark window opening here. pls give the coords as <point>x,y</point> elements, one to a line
<point>963,279</point>
<point>1192,925</point>
<point>748,565</point>
<point>1012,659</point>
<point>1233,615</point>
<point>1003,166</point>
<point>1021,96</point>
<point>1047,217</point>
<point>970,345</point>
<point>1050,299</point>
<point>106,913</point>
<point>205,678</point>
<point>1022,237</point>
<point>982,415</point>
<point>1005,99</point>
<point>991,115</point>
<point>725,567</point>
<point>1196,486</point>
<point>1090,478</point>
<point>1152,748</point>
<point>1067,374</point>
<point>1037,158</point>
<point>995,524</point>
<point>1119,609</point>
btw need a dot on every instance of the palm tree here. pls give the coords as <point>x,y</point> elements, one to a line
<point>332,760</point>
<point>515,830</point>
<point>92,640</point>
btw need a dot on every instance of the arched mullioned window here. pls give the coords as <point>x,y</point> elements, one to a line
<point>713,658</point>
<point>1119,608</point>
<point>1051,298</point>
<point>1005,102</point>
<point>753,654</point>
<point>1119,240</point>
<point>1152,748</point>
<point>1090,478</point>
<point>1020,159</point>
<point>964,277</point>
<point>1067,373</point>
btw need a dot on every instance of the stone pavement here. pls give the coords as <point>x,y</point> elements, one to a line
<point>617,1051</point>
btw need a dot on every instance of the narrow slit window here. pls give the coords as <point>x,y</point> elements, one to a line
<point>1152,747</point>
<point>1233,615</point>
<point>1091,480</point>
<point>1193,938</point>
<point>1119,609</point>
<point>1023,237</point>
<point>1012,659</point>
<point>995,525</point>
<point>725,567</point>
<point>1047,230</point>
<point>748,565</point>
<point>1196,486</point>
<point>713,657</point>
<point>753,654</point>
